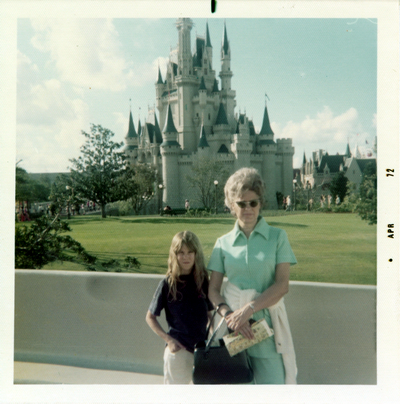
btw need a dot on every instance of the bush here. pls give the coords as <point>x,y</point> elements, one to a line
<point>119,208</point>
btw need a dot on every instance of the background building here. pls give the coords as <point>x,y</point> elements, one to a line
<point>197,113</point>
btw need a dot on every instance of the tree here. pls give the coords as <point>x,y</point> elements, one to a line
<point>136,185</point>
<point>339,186</point>
<point>204,172</point>
<point>94,172</point>
<point>41,243</point>
<point>30,190</point>
<point>368,195</point>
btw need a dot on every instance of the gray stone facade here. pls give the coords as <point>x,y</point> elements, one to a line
<point>197,114</point>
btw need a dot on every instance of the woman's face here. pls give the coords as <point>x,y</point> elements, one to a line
<point>247,215</point>
<point>185,260</point>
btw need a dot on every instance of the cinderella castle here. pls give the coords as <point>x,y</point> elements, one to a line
<point>197,114</point>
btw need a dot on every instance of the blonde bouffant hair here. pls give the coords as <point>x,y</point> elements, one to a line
<point>243,180</point>
<point>192,242</point>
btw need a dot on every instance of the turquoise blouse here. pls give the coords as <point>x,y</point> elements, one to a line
<point>249,263</point>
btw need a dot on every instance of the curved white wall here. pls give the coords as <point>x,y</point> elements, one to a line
<point>96,320</point>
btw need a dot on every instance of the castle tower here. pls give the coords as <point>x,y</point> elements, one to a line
<point>267,147</point>
<point>203,147</point>
<point>170,150</point>
<point>159,92</point>
<point>208,46</point>
<point>131,140</point>
<point>227,94</point>
<point>187,86</point>
<point>241,146</point>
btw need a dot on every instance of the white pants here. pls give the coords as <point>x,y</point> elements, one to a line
<point>178,367</point>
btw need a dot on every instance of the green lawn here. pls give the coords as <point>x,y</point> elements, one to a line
<point>339,248</point>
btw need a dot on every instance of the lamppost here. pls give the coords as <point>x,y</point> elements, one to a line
<point>160,188</point>
<point>69,199</point>
<point>294,194</point>
<point>216,185</point>
<point>308,195</point>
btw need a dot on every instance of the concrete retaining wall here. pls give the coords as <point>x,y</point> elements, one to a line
<point>96,320</point>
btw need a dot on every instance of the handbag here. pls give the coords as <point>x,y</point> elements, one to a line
<point>214,365</point>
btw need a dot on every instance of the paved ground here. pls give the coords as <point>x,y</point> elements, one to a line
<point>43,373</point>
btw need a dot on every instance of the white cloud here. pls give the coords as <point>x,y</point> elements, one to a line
<point>324,131</point>
<point>88,53</point>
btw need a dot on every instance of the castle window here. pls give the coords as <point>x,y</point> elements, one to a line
<point>205,71</point>
<point>209,117</point>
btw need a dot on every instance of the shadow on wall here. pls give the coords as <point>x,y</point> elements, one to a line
<point>97,320</point>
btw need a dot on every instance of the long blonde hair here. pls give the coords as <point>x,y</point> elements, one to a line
<point>191,241</point>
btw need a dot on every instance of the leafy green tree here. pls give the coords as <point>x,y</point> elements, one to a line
<point>30,190</point>
<point>63,195</point>
<point>339,186</point>
<point>94,172</point>
<point>368,195</point>
<point>204,172</point>
<point>136,185</point>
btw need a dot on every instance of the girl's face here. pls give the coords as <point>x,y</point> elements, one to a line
<point>185,260</point>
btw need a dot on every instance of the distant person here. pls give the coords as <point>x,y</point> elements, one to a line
<point>183,296</point>
<point>288,203</point>
<point>168,210</point>
<point>337,201</point>
<point>187,204</point>
<point>284,203</point>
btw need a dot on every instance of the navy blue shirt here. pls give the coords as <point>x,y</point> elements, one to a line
<point>187,315</point>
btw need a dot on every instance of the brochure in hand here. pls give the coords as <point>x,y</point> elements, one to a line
<point>238,343</point>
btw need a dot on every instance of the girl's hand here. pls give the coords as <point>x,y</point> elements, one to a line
<point>238,321</point>
<point>174,345</point>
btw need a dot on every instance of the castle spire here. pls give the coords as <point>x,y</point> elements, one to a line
<point>160,80</point>
<point>208,41</point>
<point>221,117</point>
<point>266,127</point>
<point>225,42</point>
<point>131,129</point>
<point>203,140</point>
<point>169,123</point>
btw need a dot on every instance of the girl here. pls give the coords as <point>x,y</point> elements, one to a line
<point>183,296</point>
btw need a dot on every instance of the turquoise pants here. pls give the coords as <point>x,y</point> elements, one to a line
<point>268,370</point>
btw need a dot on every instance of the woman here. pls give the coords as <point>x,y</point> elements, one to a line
<point>256,259</point>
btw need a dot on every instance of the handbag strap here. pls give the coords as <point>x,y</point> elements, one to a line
<point>215,331</point>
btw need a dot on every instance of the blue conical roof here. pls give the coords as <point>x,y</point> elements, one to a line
<point>266,127</point>
<point>221,117</point>
<point>202,84</point>
<point>131,130</point>
<point>215,88</point>
<point>203,140</point>
<point>208,41</point>
<point>169,123</point>
<point>160,80</point>
<point>225,44</point>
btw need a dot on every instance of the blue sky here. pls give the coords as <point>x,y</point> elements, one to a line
<point>320,75</point>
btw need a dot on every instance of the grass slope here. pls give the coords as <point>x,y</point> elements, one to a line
<point>337,248</point>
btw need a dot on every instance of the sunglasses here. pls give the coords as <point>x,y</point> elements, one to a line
<point>252,204</point>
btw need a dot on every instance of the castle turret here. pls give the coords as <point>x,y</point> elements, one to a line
<point>202,93</point>
<point>170,150</point>
<point>131,140</point>
<point>227,94</point>
<point>159,91</point>
<point>185,63</point>
<point>203,147</point>
<point>208,46</point>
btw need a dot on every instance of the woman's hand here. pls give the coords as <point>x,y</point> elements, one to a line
<point>238,321</point>
<point>174,345</point>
